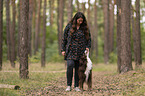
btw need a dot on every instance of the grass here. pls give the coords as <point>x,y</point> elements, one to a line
<point>36,80</point>
<point>104,68</point>
<point>35,67</point>
<point>106,80</point>
<point>7,92</point>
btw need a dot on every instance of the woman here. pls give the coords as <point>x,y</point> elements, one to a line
<point>75,41</point>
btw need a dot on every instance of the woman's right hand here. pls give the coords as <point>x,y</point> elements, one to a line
<point>63,53</point>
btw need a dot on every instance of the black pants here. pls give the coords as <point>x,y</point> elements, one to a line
<point>70,65</point>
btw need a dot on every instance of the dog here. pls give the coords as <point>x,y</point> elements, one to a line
<point>85,71</point>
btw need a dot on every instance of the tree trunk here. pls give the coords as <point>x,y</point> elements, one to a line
<point>88,14</point>
<point>37,27</point>
<point>106,30</point>
<point>12,34</point>
<point>33,26</point>
<point>51,5</point>
<point>133,32</point>
<point>8,28</point>
<point>90,27</point>
<point>19,3</point>
<point>60,22</point>
<point>111,26</point>
<point>69,10</point>
<point>119,35</point>
<point>30,26</point>
<point>138,36</point>
<point>24,39</point>
<point>78,5</point>
<point>44,36</point>
<point>83,7</point>
<point>126,56</point>
<point>51,12</point>
<point>1,32</point>
<point>95,29</point>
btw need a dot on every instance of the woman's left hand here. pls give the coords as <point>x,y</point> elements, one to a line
<point>87,49</point>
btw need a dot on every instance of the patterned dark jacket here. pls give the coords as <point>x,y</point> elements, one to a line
<point>75,45</point>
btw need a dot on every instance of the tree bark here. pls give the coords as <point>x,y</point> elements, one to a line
<point>83,7</point>
<point>69,10</point>
<point>30,26</point>
<point>18,42</point>
<point>1,32</point>
<point>106,31</point>
<point>24,39</point>
<point>44,36</point>
<point>126,56</point>
<point>119,35</point>
<point>133,32</point>
<point>37,27</point>
<point>33,26</point>
<point>88,14</point>
<point>89,19</point>
<point>95,30</point>
<point>111,26</point>
<point>78,5</point>
<point>51,5</point>
<point>138,56</point>
<point>60,23</point>
<point>8,28</point>
<point>12,34</point>
<point>51,2</point>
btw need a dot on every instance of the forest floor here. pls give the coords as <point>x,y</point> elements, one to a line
<point>51,81</point>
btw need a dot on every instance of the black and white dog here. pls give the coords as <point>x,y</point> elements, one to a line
<point>85,71</point>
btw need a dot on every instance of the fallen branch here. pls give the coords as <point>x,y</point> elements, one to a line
<point>16,87</point>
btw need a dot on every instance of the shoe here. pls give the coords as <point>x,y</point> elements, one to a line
<point>77,89</point>
<point>68,88</point>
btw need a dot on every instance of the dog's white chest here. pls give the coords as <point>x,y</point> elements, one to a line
<point>89,67</point>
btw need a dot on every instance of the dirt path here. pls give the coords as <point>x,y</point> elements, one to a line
<point>102,86</point>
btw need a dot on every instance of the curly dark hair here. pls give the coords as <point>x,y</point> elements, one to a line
<point>83,26</point>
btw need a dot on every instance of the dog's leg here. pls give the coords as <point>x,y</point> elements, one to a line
<point>81,81</point>
<point>89,83</point>
<point>81,85</point>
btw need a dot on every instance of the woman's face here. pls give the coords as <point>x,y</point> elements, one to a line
<point>79,21</point>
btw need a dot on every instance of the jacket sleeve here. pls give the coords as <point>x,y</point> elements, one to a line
<point>89,41</point>
<point>64,38</point>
